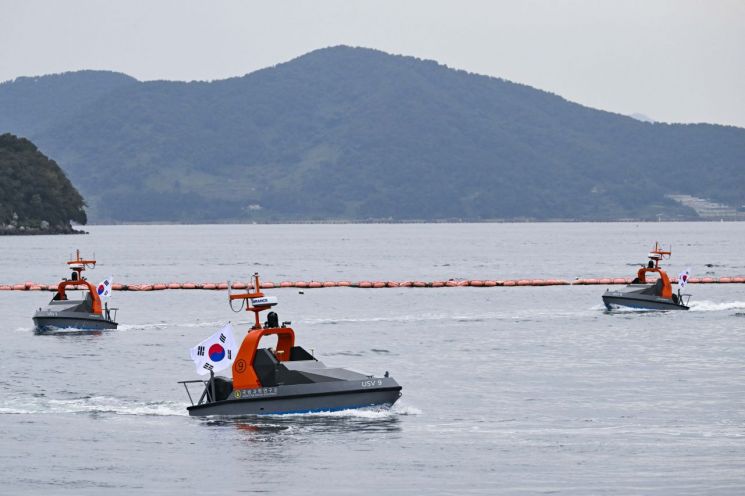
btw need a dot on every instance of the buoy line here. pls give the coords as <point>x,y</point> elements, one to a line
<point>449,283</point>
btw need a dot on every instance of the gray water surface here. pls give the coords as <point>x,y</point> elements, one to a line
<point>506,390</point>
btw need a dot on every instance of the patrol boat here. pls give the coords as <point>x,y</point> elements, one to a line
<point>286,380</point>
<point>645,295</point>
<point>84,314</point>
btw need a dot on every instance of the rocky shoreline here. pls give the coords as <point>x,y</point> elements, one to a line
<point>13,229</point>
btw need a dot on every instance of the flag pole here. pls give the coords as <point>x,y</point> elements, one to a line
<point>212,385</point>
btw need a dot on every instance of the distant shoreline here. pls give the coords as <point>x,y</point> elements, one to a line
<point>444,221</point>
<point>38,232</point>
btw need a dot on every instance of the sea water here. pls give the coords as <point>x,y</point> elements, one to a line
<point>527,390</point>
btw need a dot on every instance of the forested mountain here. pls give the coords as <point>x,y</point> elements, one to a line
<point>352,133</point>
<point>35,195</point>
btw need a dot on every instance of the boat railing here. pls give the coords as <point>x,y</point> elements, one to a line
<point>208,394</point>
<point>687,299</point>
<point>108,313</point>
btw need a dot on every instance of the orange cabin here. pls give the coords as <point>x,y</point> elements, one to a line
<point>655,256</point>
<point>78,266</point>
<point>244,374</point>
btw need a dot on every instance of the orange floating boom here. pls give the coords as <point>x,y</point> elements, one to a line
<point>452,283</point>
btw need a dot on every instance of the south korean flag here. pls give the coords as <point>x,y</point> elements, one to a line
<point>215,353</point>
<point>683,278</point>
<point>104,288</point>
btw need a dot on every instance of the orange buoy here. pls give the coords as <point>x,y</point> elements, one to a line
<point>619,280</point>
<point>709,280</point>
<point>419,284</point>
<point>378,284</point>
<point>343,284</point>
<point>490,284</point>
<point>739,280</point>
<point>159,287</point>
<point>438,284</point>
<point>209,285</point>
<point>365,284</point>
<point>406,284</point>
<point>725,280</point>
<point>239,285</point>
<point>268,285</point>
<point>5,287</point>
<point>524,282</point>
<point>509,283</point>
<point>301,284</point>
<point>476,283</point>
<point>354,284</point>
<point>605,280</point>
<point>315,284</point>
<point>329,284</point>
<point>286,284</point>
<point>174,285</point>
<point>392,284</point>
<point>189,285</point>
<point>451,284</point>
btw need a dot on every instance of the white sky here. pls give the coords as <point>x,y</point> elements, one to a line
<point>673,60</point>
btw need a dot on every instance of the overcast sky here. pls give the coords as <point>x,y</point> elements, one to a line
<point>673,60</point>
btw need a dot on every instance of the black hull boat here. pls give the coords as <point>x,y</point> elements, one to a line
<point>302,385</point>
<point>643,295</point>
<point>86,314</point>
<point>71,316</point>
<point>635,297</point>
<point>287,380</point>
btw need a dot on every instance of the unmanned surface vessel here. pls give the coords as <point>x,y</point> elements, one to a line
<point>285,380</point>
<point>646,295</point>
<point>84,314</point>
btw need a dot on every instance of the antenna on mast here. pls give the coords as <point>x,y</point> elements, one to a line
<point>254,299</point>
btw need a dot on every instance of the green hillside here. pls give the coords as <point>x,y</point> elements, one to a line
<point>35,195</point>
<point>351,133</point>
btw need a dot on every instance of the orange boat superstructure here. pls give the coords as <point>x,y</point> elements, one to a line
<point>244,375</point>
<point>77,281</point>
<point>655,257</point>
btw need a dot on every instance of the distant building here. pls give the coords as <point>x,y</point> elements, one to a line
<point>709,210</point>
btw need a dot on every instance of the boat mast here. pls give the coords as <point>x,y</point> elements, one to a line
<point>248,297</point>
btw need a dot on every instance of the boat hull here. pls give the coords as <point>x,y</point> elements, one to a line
<point>43,322</point>
<point>614,300</point>
<point>304,398</point>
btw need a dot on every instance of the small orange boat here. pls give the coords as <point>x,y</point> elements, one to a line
<point>87,313</point>
<point>646,295</point>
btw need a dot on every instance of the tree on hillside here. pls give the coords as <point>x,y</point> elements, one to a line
<point>35,194</point>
